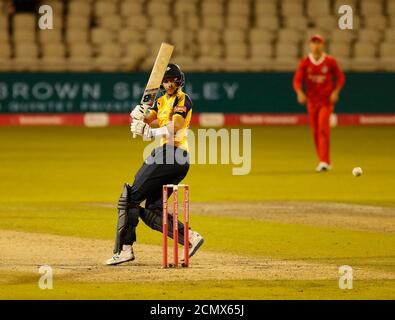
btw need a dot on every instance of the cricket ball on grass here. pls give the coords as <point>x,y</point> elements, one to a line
<point>357,171</point>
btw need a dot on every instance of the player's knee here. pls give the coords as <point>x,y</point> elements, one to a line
<point>151,218</point>
<point>123,199</point>
<point>127,206</point>
<point>323,132</point>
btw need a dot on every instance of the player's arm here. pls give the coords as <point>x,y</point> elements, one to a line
<point>180,112</point>
<point>340,80</point>
<point>144,113</point>
<point>177,122</point>
<point>151,114</point>
<point>298,82</point>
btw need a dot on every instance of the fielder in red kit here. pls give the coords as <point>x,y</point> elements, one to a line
<point>321,79</point>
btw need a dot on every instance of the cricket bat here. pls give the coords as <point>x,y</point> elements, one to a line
<point>157,73</point>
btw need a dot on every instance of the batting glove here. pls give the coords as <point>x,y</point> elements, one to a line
<point>141,128</point>
<point>139,112</point>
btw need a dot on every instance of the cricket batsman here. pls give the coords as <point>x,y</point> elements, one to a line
<point>167,164</point>
<point>317,83</point>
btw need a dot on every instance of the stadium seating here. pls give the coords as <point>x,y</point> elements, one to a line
<point>387,56</point>
<point>53,57</point>
<point>228,35</point>
<point>342,52</point>
<point>80,58</point>
<point>365,57</point>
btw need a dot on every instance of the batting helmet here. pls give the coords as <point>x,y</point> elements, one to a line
<point>174,71</point>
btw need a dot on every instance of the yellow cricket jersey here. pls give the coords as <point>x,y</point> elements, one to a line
<point>167,106</point>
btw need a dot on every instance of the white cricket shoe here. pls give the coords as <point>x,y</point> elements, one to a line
<point>125,256</point>
<point>195,242</point>
<point>323,166</point>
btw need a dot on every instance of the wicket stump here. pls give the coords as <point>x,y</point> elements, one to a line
<point>165,227</point>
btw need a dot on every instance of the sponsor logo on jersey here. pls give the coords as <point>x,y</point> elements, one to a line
<point>181,109</point>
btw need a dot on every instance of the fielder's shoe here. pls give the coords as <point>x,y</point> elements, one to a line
<point>195,242</point>
<point>125,256</point>
<point>323,166</point>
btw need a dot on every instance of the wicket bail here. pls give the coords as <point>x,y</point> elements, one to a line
<point>165,227</point>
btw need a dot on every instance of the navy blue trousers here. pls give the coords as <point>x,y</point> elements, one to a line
<point>165,165</point>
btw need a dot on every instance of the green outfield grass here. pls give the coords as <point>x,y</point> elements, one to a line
<point>199,290</point>
<point>82,164</point>
<point>64,180</point>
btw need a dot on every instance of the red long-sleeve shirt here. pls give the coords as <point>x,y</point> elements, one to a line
<point>317,77</point>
